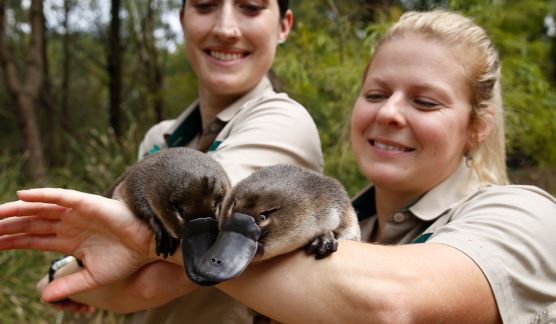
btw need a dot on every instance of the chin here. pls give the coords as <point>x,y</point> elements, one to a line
<point>384,175</point>
<point>225,86</point>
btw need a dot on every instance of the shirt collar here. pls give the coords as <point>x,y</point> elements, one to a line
<point>462,183</point>
<point>453,189</point>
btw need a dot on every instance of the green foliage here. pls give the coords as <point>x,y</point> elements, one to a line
<point>21,304</point>
<point>10,173</point>
<point>527,65</point>
<point>97,162</point>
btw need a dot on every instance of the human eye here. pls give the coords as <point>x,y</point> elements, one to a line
<point>427,104</point>
<point>252,7</point>
<point>204,6</point>
<point>375,96</point>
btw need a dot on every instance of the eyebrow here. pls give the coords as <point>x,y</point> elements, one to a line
<point>420,86</point>
<point>437,88</point>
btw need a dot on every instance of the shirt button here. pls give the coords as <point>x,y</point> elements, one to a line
<point>399,217</point>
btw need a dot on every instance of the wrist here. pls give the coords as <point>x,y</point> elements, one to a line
<point>63,262</point>
<point>175,258</point>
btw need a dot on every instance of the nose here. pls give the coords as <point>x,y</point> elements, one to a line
<point>226,27</point>
<point>392,112</point>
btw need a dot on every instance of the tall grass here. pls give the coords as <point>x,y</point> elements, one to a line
<point>91,166</point>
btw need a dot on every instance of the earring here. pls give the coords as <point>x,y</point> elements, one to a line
<point>468,159</point>
<point>281,43</point>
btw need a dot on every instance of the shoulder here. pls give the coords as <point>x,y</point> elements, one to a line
<point>269,129</point>
<point>517,198</point>
<point>272,118</point>
<point>277,107</point>
<point>508,231</point>
<point>529,209</point>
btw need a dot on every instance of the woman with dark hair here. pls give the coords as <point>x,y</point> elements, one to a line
<point>238,119</point>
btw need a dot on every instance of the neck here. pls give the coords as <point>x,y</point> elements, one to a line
<point>212,104</point>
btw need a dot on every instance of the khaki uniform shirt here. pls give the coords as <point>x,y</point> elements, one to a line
<point>508,231</point>
<point>262,128</point>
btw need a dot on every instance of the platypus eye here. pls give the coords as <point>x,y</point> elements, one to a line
<point>264,216</point>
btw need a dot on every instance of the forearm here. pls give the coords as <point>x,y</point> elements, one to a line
<point>368,283</point>
<point>296,288</point>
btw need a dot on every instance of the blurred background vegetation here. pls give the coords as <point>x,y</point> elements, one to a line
<point>107,78</point>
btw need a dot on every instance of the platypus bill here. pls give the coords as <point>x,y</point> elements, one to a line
<point>276,210</point>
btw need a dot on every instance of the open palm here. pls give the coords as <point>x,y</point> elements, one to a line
<point>102,232</point>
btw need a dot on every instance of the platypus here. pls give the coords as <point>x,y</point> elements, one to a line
<point>169,188</point>
<point>276,210</point>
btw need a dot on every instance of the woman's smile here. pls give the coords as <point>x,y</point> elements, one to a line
<point>226,55</point>
<point>388,147</point>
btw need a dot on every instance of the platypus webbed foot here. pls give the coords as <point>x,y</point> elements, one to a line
<point>198,236</point>
<point>165,244</point>
<point>322,246</point>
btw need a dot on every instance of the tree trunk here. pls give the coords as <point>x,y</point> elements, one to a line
<point>26,92</point>
<point>46,103</point>
<point>155,74</point>
<point>142,34</point>
<point>66,119</point>
<point>115,69</point>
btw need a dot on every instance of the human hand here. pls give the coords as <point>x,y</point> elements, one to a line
<point>102,232</point>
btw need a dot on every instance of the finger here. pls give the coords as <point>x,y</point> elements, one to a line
<point>72,306</point>
<point>28,224</point>
<point>62,197</point>
<point>49,243</point>
<point>24,208</point>
<point>69,285</point>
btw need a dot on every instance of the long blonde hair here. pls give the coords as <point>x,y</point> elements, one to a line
<point>482,66</point>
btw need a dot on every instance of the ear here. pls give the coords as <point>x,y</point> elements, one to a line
<point>286,24</point>
<point>182,13</point>
<point>481,127</point>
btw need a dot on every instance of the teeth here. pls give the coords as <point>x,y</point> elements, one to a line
<point>386,147</point>
<point>225,56</point>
